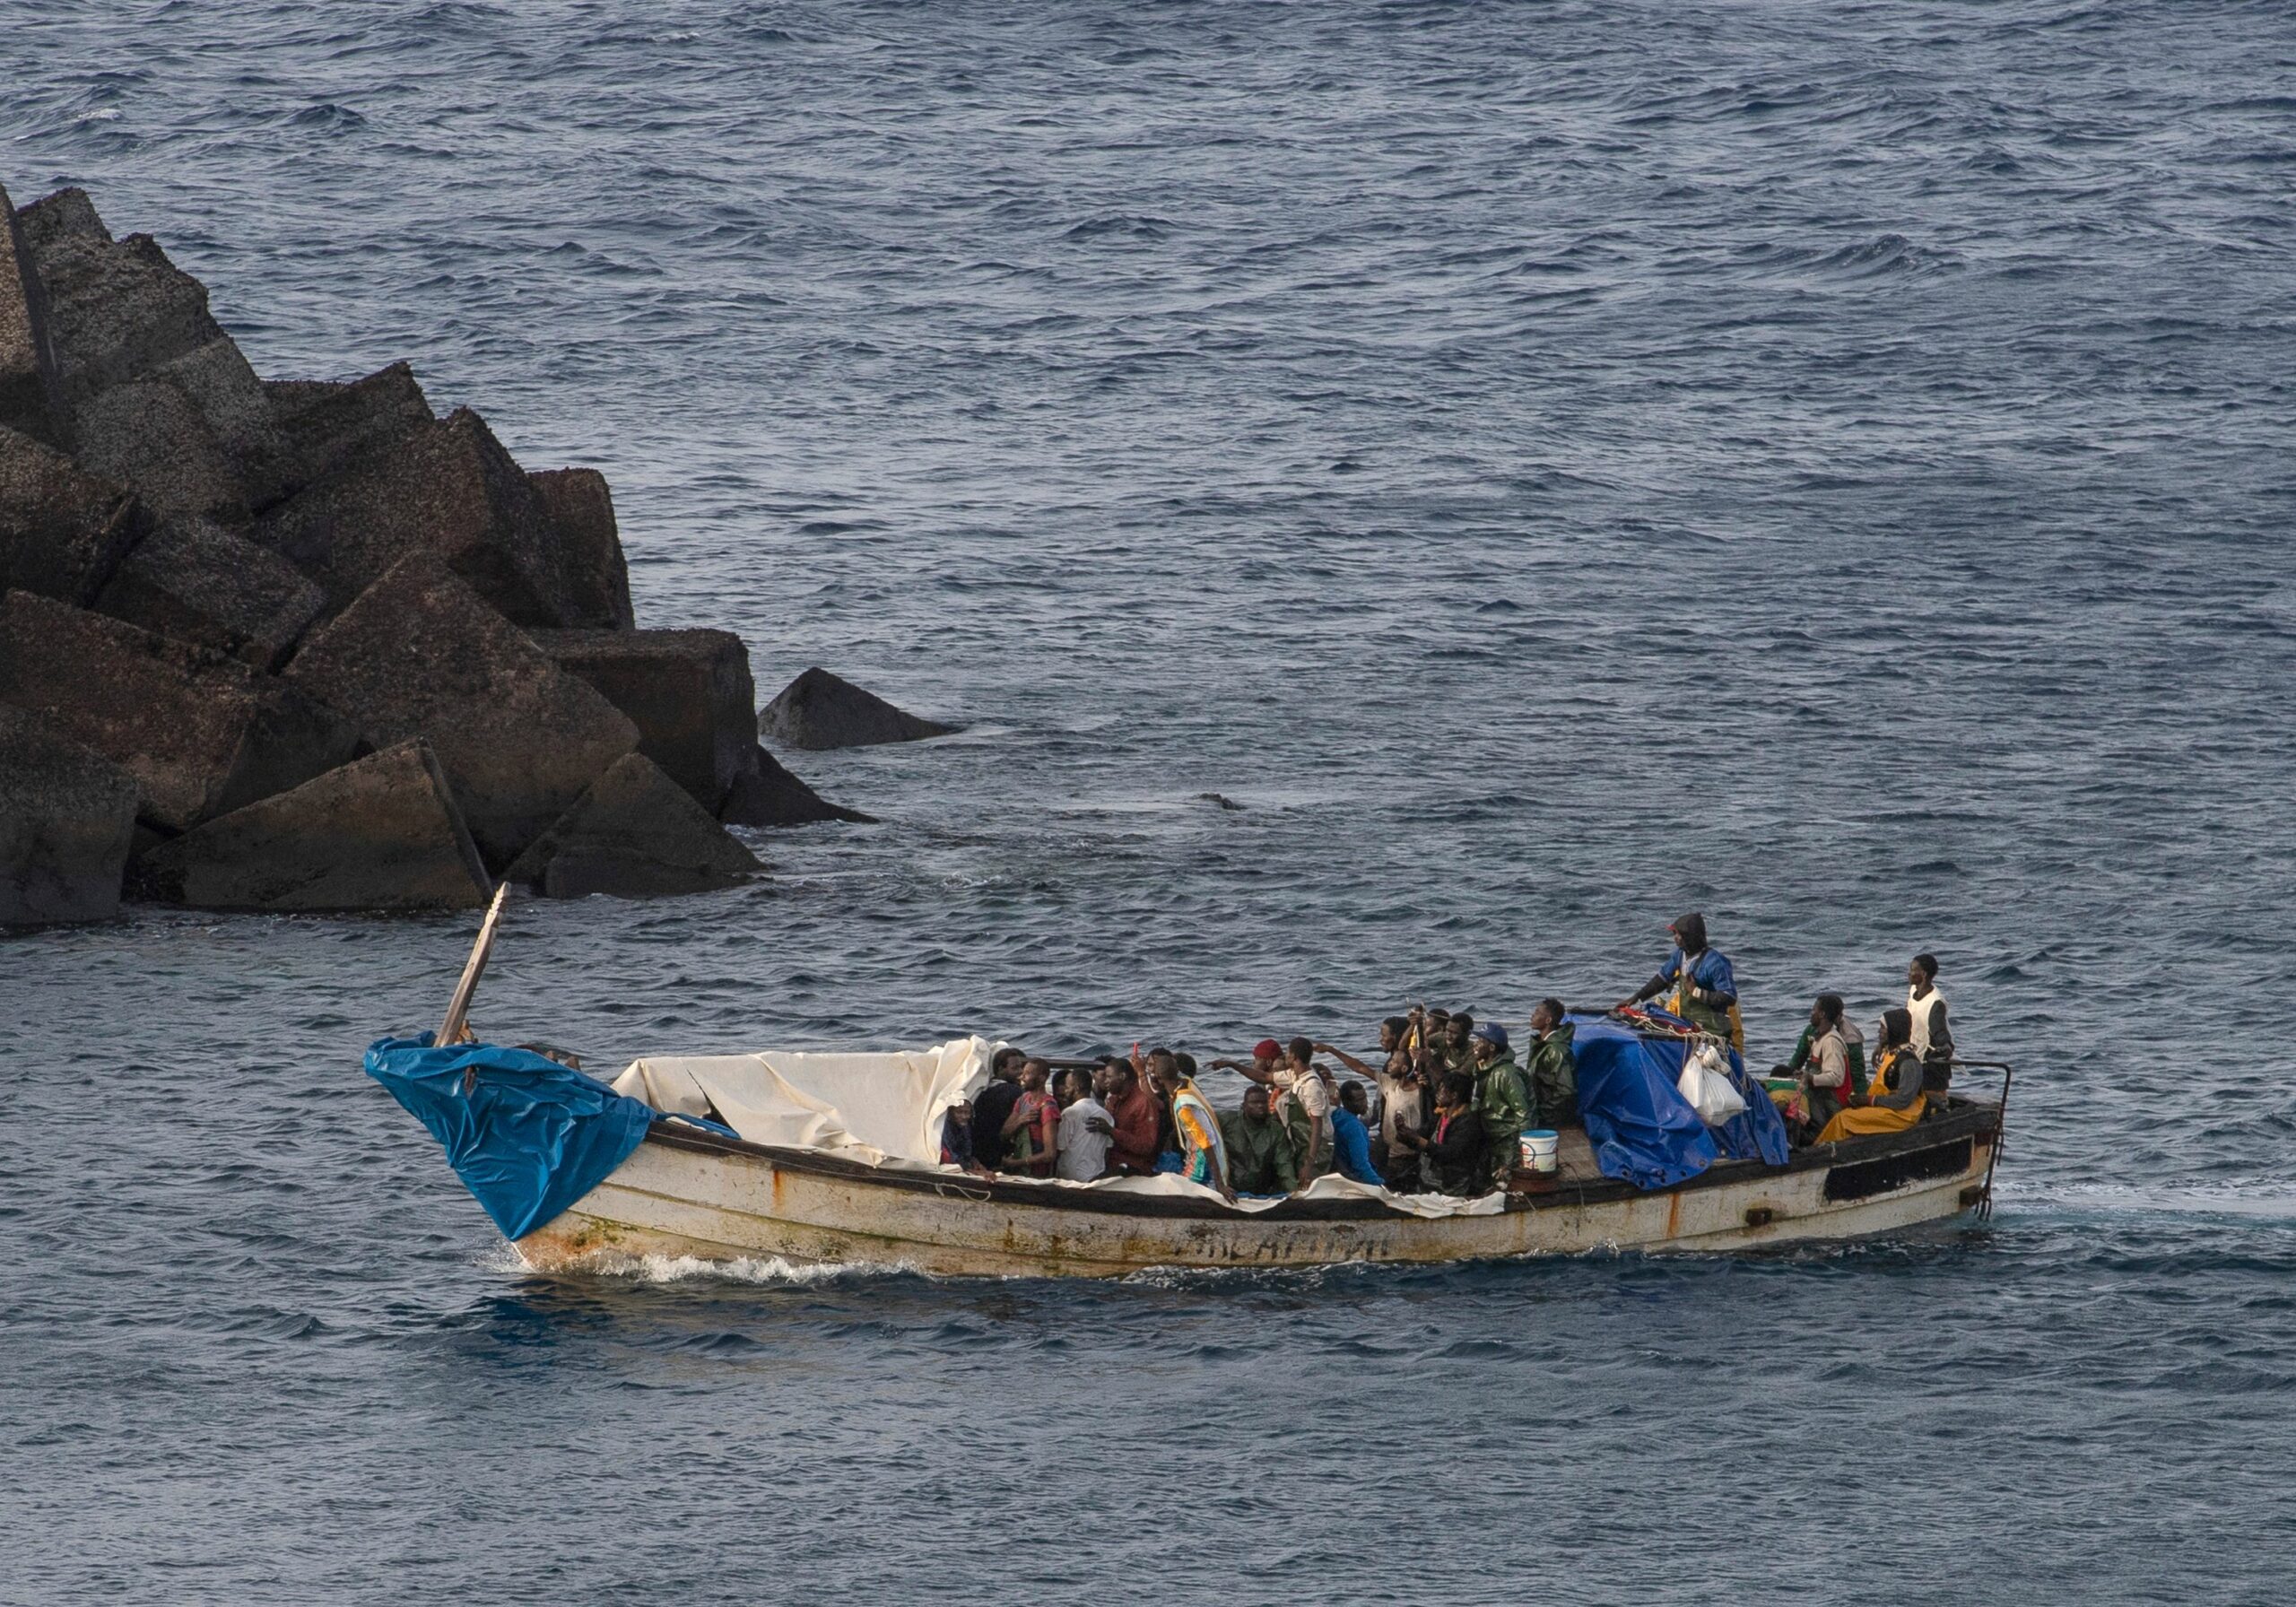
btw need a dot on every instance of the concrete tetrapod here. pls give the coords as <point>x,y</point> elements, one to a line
<point>61,530</point>
<point>197,581</point>
<point>31,397</point>
<point>579,507</point>
<point>381,832</point>
<point>689,694</point>
<point>116,308</point>
<point>66,818</point>
<point>201,733</point>
<point>445,489</point>
<point>636,833</point>
<point>822,710</point>
<point>767,795</point>
<point>420,654</point>
<point>324,425</point>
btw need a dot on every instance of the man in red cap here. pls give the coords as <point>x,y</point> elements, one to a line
<point>1267,1056</point>
<point>1302,1100</point>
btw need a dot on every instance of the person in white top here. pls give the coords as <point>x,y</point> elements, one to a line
<point>1932,1038</point>
<point>1825,1075</point>
<point>1087,1131</point>
<point>1403,1100</point>
<point>1305,1107</point>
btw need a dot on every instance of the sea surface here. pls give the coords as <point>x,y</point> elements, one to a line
<point>1554,466</point>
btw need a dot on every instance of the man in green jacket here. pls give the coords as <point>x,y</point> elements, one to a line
<point>1554,1072</point>
<point>1501,1100</point>
<point>1259,1150</point>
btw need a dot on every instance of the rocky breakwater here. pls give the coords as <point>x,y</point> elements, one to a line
<point>305,645</point>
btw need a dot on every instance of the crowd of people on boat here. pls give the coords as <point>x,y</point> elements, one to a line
<point>1445,1106</point>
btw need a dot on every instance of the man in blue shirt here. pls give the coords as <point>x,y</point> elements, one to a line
<point>1705,988</point>
<point>1350,1140</point>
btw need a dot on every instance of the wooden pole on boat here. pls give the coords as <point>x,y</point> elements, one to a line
<point>456,1029</point>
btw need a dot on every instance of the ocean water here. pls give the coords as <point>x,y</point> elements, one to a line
<point>1554,465</point>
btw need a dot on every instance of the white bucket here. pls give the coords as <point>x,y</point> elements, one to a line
<point>1538,1150</point>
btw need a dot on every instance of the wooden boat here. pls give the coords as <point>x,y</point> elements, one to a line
<point>687,1192</point>
<point>684,1192</point>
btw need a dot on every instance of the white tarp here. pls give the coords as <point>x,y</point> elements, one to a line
<point>878,1109</point>
<point>885,1110</point>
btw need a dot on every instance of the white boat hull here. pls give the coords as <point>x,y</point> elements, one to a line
<point>679,1195</point>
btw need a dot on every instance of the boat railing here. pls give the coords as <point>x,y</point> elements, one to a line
<point>2000,1124</point>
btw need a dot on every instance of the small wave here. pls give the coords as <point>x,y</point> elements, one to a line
<point>2267,1202</point>
<point>328,115</point>
<point>769,1270</point>
<point>1882,255</point>
<point>1122,226</point>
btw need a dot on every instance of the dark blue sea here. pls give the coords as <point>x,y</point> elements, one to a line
<point>1555,465</point>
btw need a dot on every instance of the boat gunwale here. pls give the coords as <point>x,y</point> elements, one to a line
<point>1968,1120</point>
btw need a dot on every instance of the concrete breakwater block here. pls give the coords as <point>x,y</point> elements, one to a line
<point>68,815</point>
<point>419,654</point>
<point>63,530</point>
<point>447,490</point>
<point>325,425</point>
<point>767,795</point>
<point>233,591</point>
<point>636,833</point>
<point>158,396</point>
<point>200,732</point>
<point>193,435</point>
<point>116,308</point>
<point>197,581</point>
<point>579,507</point>
<point>381,832</point>
<point>821,711</point>
<point>689,694</point>
<point>32,398</point>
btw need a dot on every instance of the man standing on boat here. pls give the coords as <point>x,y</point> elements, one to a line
<point>1196,1128</point>
<point>1553,1072</point>
<point>1304,1107</point>
<point>1932,1038</point>
<point>1136,1112</point>
<point>1705,987</point>
<point>994,1104</point>
<point>1503,1101</point>
<point>1301,1099</point>
<point>1403,1097</point>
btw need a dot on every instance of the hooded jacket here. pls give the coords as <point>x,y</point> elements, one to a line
<point>1708,985</point>
<point>1553,1078</point>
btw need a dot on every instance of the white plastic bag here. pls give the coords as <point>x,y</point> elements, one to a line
<point>1705,1084</point>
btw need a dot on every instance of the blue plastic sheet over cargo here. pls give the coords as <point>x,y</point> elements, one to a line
<point>1642,1130</point>
<point>528,1136</point>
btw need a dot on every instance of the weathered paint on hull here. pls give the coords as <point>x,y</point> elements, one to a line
<point>676,1202</point>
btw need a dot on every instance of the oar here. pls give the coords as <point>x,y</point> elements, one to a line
<point>452,1029</point>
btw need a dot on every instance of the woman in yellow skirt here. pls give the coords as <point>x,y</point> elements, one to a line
<point>1894,1101</point>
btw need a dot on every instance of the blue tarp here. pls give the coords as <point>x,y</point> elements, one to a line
<point>1646,1133</point>
<point>528,1137</point>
